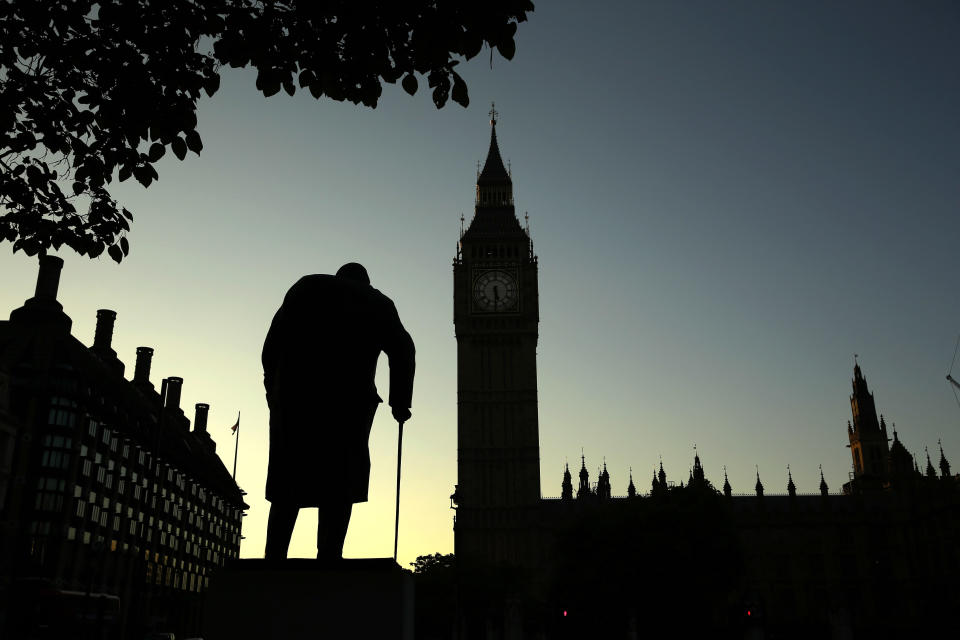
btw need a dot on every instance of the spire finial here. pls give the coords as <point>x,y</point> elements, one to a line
<point>493,114</point>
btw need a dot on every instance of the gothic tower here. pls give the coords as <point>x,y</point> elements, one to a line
<point>868,436</point>
<point>495,315</point>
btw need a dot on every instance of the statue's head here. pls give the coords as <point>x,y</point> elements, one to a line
<point>354,271</point>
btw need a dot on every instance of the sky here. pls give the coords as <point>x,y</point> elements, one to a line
<point>728,201</point>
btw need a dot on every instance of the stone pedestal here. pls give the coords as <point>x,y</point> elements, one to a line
<point>294,599</point>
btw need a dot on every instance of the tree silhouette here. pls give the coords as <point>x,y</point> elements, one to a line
<point>91,90</point>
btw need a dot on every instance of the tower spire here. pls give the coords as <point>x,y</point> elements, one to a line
<point>494,186</point>
<point>566,487</point>
<point>824,490</point>
<point>791,488</point>
<point>944,465</point>
<point>727,490</point>
<point>583,491</point>
<point>931,472</point>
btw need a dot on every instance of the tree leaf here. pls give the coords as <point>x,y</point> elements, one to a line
<point>409,83</point>
<point>507,48</point>
<point>212,84</point>
<point>459,92</point>
<point>125,246</point>
<point>143,174</point>
<point>156,151</point>
<point>179,147</point>
<point>115,252</point>
<point>193,141</point>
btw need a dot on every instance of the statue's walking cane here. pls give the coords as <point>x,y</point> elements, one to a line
<point>396,520</point>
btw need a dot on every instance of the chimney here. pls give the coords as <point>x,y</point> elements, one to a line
<point>174,386</point>
<point>200,418</point>
<point>43,310</point>
<point>48,281</point>
<point>103,335</point>
<point>141,371</point>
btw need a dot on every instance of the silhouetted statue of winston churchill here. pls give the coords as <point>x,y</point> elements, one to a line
<point>319,361</point>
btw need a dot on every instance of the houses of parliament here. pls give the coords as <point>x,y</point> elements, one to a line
<point>875,558</point>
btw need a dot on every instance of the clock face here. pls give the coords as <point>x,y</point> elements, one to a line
<point>495,291</point>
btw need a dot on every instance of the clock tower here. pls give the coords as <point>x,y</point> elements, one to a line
<point>495,315</point>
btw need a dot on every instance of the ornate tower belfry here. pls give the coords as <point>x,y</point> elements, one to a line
<point>496,315</point>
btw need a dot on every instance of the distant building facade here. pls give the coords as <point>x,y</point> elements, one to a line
<point>113,513</point>
<point>880,559</point>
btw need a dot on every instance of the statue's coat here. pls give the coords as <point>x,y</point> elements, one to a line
<point>319,362</point>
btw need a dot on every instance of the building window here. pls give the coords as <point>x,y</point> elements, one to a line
<point>50,493</point>
<point>81,507</point>
<point>92,428</point>
<point>105,436</point>
<point>56,452</point>
<point>62,417</point>
<point>72,533</point>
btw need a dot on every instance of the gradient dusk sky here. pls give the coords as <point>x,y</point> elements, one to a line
<point>728,199</point>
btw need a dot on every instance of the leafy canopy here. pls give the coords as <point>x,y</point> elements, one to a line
<point>96,91</point>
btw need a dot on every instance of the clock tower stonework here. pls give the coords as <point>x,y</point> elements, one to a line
<point>495,314</point>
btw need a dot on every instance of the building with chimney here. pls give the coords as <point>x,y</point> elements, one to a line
<point>113,512</point>
<point>879,558</point>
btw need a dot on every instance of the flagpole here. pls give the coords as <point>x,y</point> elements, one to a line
<point>236,448</point>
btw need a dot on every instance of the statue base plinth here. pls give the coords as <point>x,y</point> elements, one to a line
<point>294,599</point>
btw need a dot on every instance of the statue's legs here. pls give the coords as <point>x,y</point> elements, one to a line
<point>332,521</point>
<point>279,529</point>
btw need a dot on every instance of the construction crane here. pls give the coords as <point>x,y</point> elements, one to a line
<point>950,377</point>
